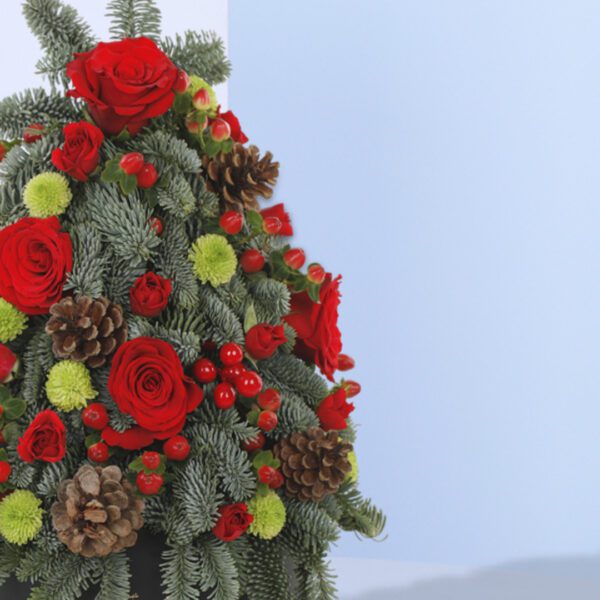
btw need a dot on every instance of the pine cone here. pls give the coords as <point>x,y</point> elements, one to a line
<point>86,330</point>
<point>314,463</point>
<point>97,512</point>
<point>240,176</point>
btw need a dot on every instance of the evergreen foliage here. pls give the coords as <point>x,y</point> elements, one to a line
<point>134,18</point>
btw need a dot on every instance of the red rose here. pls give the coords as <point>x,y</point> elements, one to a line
<point>125,83</point>
<point>263,339</point>
<point>334,410</point>
<point>9,363</point>
<point>149,295</point>
<point>147,382</point>
<point>135,438</point>
<point>278,211</point>
<point>45,439</point>
<point>35,257</point>
<point>233,521</point>
<point>79,155</point>
<point>237,135</point>
<point>319,339</point>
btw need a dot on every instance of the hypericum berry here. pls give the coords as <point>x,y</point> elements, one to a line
<point>231,222</point>
<point>294,258</point>
<point>270,399</point>
<point>132,163</point>
<point>149,483</point>
<point>345,362</point>
<point>95,416</point>
<point>151,460</point>
<point>182,83</point>
<point>249,384</point>
<point>157,225</point>
<point>147,176</point>
<point>255,443</point>
<point>201,100</point>
<point>352,388</point>
<point>98,452</point>
<point>231,354</point>
<point>33,133</point>
<point>5,471</point>
<point>267,420</point>
<point>220,130</point>
<point>232,372</point>
<point>316,273</point>
<point>277,480</point>
<point>176,448</point>
<point>272,225</point>
<point>224,396</point>
<point>194,126</point>
<point>266,474</point>
<point>252,260</point>
<point>204,370</point>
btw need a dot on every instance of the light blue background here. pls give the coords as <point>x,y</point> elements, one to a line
<point>444,157</point>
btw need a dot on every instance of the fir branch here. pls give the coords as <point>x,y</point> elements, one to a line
<point>115,577</point>
<point>134,18</point>
<point>69,578</point>
<point>271,299</point>
<point>218,573</point>
<point>10,558</point>
<point>220,322</point>
<point>89,262</point>
<point>168,153</point>
<point>181,573</point>
<point>38,360</point>
<point>267,573</point>
<point>10,202</point>
<point>227,421</point>
<point>175,196</point>
<point>121,276</point>
<point>359,514</point>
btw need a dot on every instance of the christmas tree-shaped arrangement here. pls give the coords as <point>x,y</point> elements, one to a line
<point>168,364</point>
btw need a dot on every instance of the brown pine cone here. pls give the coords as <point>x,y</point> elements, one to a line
<point>240,176</point>
<point>97,512</point>
<point>314,463</point>
<point>86,330</point>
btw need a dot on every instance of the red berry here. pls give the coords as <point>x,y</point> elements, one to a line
<point>231,354</point>
<point>270,399</point>
<point>1,410</point>
<point>2,438</point>
<point>294,258</point>
<point>255,443</point>
<point>176,448</point>
<point>32,133</point>
<point>132,163</point>
<point>201,100</point>
<point>5,471</point>
<point>266,474</point>
<point>277,480</point>
<point>182,83</point>
<point>147,176</point>
<point>151,460</point>
<point>220,130</point>
<point>157,225</point>
<point>231,373</point>
<point>345,362</point>
<point>231,222</point>
<point>95,416</point>
<point>267,420</point>
<point>2,151</point>
<point>98,452</point>
<point>149,483</point>
<point>252,260</point>
<point>316,273</point>
<point>272,225</point>
<point>204,370</point>
<point>352,388</point>
<point>249,384</point>
<point>224,396</point>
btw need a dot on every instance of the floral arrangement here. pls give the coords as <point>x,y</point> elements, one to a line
<point>167,361</point>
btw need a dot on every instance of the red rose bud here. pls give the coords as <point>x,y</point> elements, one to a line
<point>9,364</point>
<point>272,225</point>
<point>177,448</point>
<point>201,100</point>
<point>334,410</point>
<point>255,443</point>
<point>294,258</point>
<point>204,370</point>
<point>231,222</point>
<point>345,362</point>
<point>352,388</point>
<point>132,163</point>
<point>270,399</point>
<point>266,474</point>
<point>151,460</point>
<point>98,453</point>
<point>232,372</point>
<point>263,339</point>
<point>95,416</point>
<point>149,484</point>
<point>233,521</point>
<point>231,354</point>
<point>45,439</point>
<point>33,133</point>
<point>279,211</point>
<point>149,295</point>
<point>157,225</point>
<point>252,260</point>
<point>5,471</point>
<point>220,130</point>
<point>277,480</point>
<point>267,420</point>
<point>182,82</point>
<point>249,384</point>
<point>224,395</point>
<point>316,273</point>
<point>147,176</point>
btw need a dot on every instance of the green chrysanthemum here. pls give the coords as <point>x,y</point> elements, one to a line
<point>69,386</point>
<point>213,259</point>
<point>47,195</point>
<point>353,475</point>
<point>12,322</point>
<point>20,517</point>
<point>269,515</point>
<point>197,84</point>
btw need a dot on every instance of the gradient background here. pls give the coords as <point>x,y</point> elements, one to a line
<point>443,157</point>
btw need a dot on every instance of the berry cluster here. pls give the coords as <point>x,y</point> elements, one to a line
<point>130,171</point>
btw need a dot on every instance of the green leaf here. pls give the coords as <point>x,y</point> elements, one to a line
<point>265,458</point>
<point>182,104</point>
<point>255,221</point>
<point>314,292</point>
<point>11,433</point>
<point>128,184</point>
<point>92,439</point>
<point>112,171</point>
<point>3,455</point>
<point>136,465</point>
<point>14,408</point>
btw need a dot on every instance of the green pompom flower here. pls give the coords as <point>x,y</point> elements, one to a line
<point>20,517</point>
<point>213,259</point>
<point>353,475</point>
<point>12,322</point>
<point>69,386</point>
<point>47,195</point>
<point>269,515</point>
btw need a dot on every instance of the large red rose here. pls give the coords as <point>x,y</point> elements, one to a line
<point>263,339</point>
<point>45,439</point>
<point>125,83</point>
<point>319,339</point>
<point>80,154</point>
<point>233,521</point>
<point>147,382</point>
<point>334,410</point>
<point>35,257</point>
<point>149,295</point>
